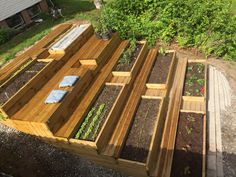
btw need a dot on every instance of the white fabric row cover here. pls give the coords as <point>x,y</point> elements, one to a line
<point>69,38</point>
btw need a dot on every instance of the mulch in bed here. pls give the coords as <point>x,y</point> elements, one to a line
<point>126,66</point>
<point>20,81</point>
<point>161,69</point>
<point>187,161</point>
<point>137,144</point>
<point>195,80</point>
<point>108,96</point>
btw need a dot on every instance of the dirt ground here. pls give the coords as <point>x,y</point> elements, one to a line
<point>25,156</point>
<point>228,119</point>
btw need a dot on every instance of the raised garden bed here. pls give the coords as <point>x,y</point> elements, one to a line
<point>136,147</point>
<point>161,69</point>
<point>188,160</point>
<point>97,115</point>
<point>12,86</point>
<point>195,80</point>
<point>131,59</point>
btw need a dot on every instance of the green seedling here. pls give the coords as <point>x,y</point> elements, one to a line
<point>190,118</point>
<point>197,91</point>
<point>81,130</point>
<point>200,67</point>
<point>187,170</point>
<point>201,82</point>
<point>162,51</point>
<point>187,93</point>
<point>189,82</point>
<point>126,56</point>
<point>2,117</point>
<point>190,68</point>
<point>189,130</point>
<point>94,121</point>
<point>193,78</point>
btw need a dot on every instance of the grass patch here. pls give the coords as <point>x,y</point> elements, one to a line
<point>73,9</point>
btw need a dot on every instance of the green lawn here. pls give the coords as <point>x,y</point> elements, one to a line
<point>72,9</point>
<point>234,7</point>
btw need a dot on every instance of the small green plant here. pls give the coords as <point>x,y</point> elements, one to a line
<point>187,93</point>
<point>2,117</point>
<point>193,78</point>
<point>189,130</point>
<point>190,118</point>
<point>187,170</point>
<point>200,67</point>
<point>81,130</point>
<point>127,54</point>
<point>162,51</point>
<point>189,82</point>
<point>94,121</point>
<point>190,68</point>
<point>201,82</point>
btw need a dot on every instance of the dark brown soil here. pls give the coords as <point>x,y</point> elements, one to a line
<point>108,96</point>
<point>195,80</point>
<point>187,161</point>
<point>20,81</point>
<point>161,69</point>
<point>137,144</point>
<point>126,66</point>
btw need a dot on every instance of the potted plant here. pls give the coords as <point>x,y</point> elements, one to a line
<point>98,30</point>
<point>105,33</point>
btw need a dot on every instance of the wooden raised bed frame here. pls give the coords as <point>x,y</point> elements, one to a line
<point>204,134</point>
<point>107,128</point>
<point>35,83</point>
<point>171,68</point>
<point>143,168</point>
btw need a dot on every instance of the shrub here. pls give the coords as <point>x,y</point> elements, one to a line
<point>205,24</point>
<point>6,34</point>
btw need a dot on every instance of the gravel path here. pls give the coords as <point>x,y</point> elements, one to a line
<point>25,156</point>
<point>228,119</point>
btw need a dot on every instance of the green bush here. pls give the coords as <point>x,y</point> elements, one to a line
<point>6,34</point>
<point>205,24</point>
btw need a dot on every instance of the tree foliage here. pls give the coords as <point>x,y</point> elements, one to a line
<point>205,24</point>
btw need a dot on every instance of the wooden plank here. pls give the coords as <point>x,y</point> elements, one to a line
<point>116,142</point>
<point>137,168</point>
<point>74,121</point>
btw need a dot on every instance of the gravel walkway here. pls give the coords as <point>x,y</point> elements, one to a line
<point>25,156</point>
